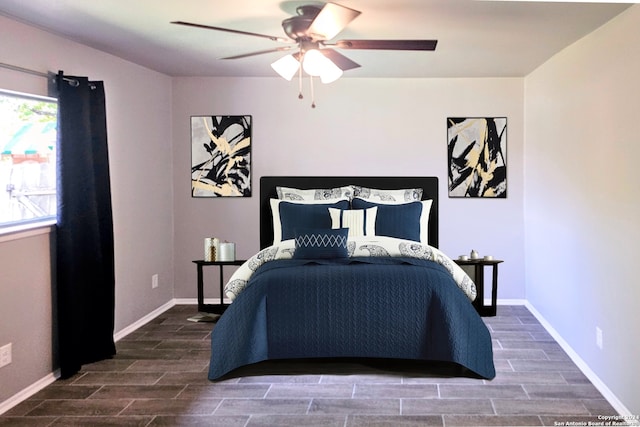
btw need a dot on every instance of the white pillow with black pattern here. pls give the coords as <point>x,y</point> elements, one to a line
<point>326,194</point>
<point>360,222</point>
<point>403,195</point>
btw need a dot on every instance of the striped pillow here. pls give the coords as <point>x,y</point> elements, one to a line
<point>360,222</point>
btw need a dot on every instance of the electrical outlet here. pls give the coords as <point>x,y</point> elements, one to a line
<point>5,355</point>
<point>154,281</point>
<point>599,337</point>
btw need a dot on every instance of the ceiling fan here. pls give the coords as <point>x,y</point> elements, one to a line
<point>310,32</point>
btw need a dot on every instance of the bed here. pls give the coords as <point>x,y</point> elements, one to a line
<point>349,268</point>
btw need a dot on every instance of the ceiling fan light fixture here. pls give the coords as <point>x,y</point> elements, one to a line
<point>287,67</point>
<point>316,64</point>
<point>331,74</point>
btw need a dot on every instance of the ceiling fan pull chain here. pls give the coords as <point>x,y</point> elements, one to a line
<point>300,82</point>
<point>313,95</point>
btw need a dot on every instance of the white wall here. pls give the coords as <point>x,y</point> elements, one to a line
<point>581,147</point>
<point>582,199</point>
<point>25,310</point>
<point>360,127</point>
<point>139,135</point>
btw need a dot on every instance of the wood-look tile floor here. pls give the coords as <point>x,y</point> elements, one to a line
<point>159,378</point>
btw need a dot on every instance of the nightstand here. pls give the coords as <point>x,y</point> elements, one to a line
<point>213,308</point>
<point>479,264</point>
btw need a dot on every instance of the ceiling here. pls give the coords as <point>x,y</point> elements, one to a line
<point>476,38</point>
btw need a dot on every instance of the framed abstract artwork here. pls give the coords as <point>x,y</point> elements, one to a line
<point>477,151</point>
<point>221,156</point>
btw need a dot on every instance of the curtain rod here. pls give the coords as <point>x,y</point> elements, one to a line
<point>73,82</point>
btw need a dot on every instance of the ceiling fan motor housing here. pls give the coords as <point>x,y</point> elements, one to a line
<point>297,27</point>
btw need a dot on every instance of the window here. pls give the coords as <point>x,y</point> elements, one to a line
<point>27,158</point>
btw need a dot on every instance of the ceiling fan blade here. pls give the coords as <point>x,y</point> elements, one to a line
<point>331,20</point>
<point>228,30</point>
<point>339,59</point>
<point>387,44</point>
<point>260,52</point>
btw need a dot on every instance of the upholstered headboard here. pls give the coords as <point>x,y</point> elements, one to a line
<point>268,186</point>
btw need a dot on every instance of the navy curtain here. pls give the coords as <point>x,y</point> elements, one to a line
<point>85,277</point>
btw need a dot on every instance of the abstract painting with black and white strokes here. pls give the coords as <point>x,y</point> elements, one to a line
<point>221,156</point>
<point>477,151</point>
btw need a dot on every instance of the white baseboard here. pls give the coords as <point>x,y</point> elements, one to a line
<point>595,380</point>
<point>487,301</point>
<point>194,301</point>
<point>158,311</point>
<point>29,391</point>
<point>186,301</point>
<point>143,321</point>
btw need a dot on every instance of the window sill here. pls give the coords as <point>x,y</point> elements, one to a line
<point>26,230</point>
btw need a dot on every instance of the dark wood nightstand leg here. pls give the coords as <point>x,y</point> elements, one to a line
<point>200,289</point>
<point>494,292</point>
<point>479,279</point>
<point>221,306</point>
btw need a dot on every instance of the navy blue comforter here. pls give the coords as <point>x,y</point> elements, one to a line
<point>399,308</point>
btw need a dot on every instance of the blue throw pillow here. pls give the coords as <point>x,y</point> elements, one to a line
<point>321,243</point>
<point>400,221</point>
<point>294,216</point>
